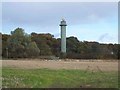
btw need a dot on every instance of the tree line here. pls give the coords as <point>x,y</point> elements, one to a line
<point>22,45</point>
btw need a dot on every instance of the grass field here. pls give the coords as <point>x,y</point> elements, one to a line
<point>48,78</point>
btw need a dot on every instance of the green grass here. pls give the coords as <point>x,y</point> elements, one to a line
<point>46,78</point>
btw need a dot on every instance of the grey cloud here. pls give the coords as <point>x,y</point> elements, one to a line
<point>49,14</point>
<point>106,38</point>
<point>57,35</point>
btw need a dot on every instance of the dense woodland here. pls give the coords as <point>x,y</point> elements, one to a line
<point>21,45</point>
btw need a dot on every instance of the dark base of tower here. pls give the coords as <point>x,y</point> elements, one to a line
<point>62,55</point>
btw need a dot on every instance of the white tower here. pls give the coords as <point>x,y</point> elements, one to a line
<point>63,36</point>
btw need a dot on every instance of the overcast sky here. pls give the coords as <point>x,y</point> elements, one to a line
<point>88,21</point>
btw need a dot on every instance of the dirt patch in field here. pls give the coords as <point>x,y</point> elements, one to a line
<point>95,65</point>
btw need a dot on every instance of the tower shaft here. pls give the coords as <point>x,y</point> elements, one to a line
<point>63,36</point>
<point>63,39</point>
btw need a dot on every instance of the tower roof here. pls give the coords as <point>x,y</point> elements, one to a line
<point>63,22</point>
<point>62,19</point>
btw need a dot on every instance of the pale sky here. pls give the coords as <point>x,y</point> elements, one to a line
<point>88,21</point>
